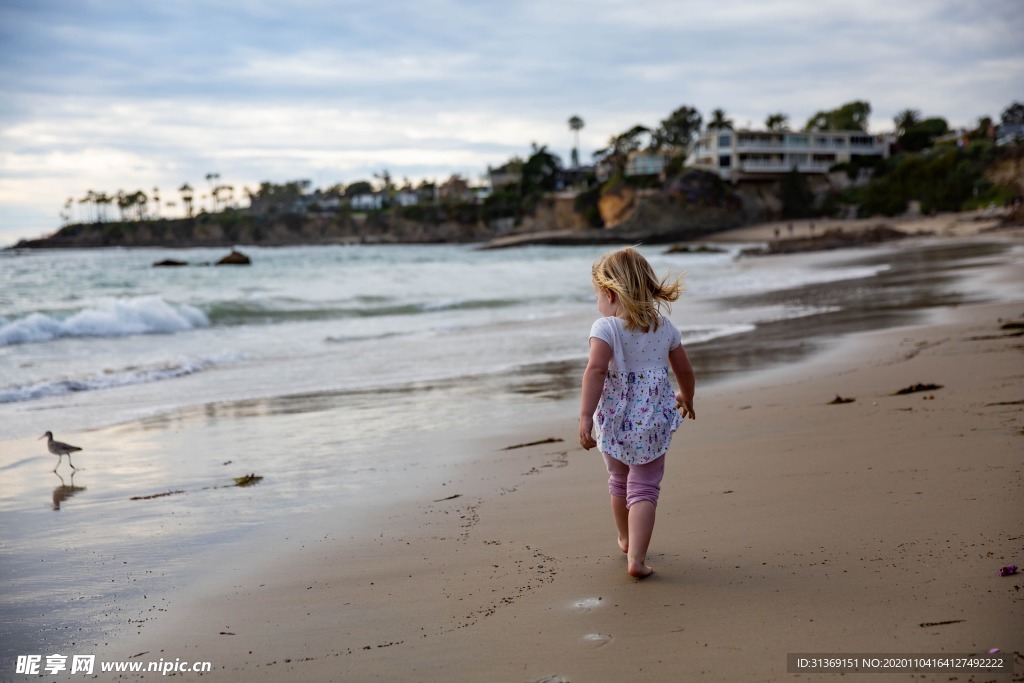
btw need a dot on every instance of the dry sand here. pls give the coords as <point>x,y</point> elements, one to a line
<point>786,525</point>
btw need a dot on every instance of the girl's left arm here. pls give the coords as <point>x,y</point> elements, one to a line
<point>593,384</point>
<point>683,371</point>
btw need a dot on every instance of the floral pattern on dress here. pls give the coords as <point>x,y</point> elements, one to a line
<point>636,416</point>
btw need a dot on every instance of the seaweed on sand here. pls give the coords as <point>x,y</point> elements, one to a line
<point>914,388</point>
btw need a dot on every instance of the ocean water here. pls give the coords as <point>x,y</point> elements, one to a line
<point>97,337</point>
<point>334,372</point>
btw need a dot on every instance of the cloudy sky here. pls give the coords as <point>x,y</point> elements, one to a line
<point>108,95</point>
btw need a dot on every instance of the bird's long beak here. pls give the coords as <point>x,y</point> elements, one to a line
<point>42,437</point>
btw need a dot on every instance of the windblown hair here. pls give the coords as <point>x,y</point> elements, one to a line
<point>642,295</point>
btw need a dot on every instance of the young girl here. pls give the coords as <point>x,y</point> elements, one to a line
<point>627,398</point>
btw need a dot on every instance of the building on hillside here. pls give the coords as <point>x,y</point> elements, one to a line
<point>641,162</point>
<point>1010,133</point>
<point>366,202</point>
<point>407,196</point>
<point>504,176</point>
<point>455,189</point>
<point>574,176</point>
<point>750,154</point>
<point>647,162</point>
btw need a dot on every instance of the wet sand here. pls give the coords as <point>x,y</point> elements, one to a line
<point>787,524</point>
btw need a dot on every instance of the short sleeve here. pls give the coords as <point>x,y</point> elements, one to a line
<point>675,336</point>
<point>602,329</point>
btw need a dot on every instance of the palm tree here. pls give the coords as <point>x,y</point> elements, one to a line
<point>156,201</point>
<point>123,202</point>
<point>777,122</point>
<point>140,200</point>
<point>90,198</point>
<point>576,125</point>
<point>210,177</point>
<point>186,198</point>
<point>102,201</point>
<point>905,120</point>
<point>719,121</point>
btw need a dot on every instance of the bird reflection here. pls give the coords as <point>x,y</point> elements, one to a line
<point>64,491</point>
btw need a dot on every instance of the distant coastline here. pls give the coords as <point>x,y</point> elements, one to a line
<point>647,215</point>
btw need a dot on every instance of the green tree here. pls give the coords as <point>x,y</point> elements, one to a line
<point>850,116</point>
<point>777,122</point>
<point>359,187</point>
<point>920,135</point>
<point>576,125</point>
<point>621,146</point>
<point>679,129</point>
<point>540,172</point>
<point>719,121</point>
<point>906,119</point>
<point>1013,114</point>
<point>797,198</point>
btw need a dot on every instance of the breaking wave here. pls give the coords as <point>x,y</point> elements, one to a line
<point>109,318</point>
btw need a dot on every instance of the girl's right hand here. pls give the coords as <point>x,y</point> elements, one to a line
<point>685,404</point>
<point>587,440</point>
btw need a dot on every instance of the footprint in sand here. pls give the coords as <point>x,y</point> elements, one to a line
<point>586,604</point>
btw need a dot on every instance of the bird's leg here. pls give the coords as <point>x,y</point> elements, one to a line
<point>58,463</point>
<point>72,464</point>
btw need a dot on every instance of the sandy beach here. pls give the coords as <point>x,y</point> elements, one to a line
<point>788,524</point>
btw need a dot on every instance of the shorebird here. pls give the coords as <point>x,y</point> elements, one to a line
<point>59,448</point>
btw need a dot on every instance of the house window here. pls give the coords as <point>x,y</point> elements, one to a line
<point>725,140</point>
<point>724,161</point>
<point>797,140</point>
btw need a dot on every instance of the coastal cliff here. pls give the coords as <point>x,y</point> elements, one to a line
<point>687,208</point>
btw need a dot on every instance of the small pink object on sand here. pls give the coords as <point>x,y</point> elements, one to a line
<point>1008,570</point>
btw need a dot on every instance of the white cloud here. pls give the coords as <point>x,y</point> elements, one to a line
<point>110,94</point>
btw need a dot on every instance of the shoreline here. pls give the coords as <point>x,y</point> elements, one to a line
<point>787,525</point>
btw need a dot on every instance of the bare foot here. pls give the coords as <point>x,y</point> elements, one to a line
<point>624,544</point>
<point>639,570</point>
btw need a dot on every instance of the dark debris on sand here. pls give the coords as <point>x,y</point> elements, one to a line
<point>914,388</point>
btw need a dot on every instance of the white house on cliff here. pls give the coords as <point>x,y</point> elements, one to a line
<point>750,154</point>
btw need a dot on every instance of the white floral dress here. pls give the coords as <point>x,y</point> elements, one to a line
<point>637,414</point>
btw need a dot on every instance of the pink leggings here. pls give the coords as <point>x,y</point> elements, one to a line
<point>635,482</point>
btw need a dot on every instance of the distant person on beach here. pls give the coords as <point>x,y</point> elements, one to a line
<point>628,409</point>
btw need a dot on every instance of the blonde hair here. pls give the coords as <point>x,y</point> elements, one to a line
<point>641,294</point>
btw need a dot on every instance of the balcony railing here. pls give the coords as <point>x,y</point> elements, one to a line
<point>783,167</point>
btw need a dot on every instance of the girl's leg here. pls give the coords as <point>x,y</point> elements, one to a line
<point>643,488</point>
<point>641,527</point>
<point>621,515</point>
<point>618,472</point>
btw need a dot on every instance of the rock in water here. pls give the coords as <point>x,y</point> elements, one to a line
<point>235,258</point>
<point>168,263</point>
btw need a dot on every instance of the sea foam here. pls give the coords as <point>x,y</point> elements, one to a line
<point>109,318</point>
<point>109,379</point>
